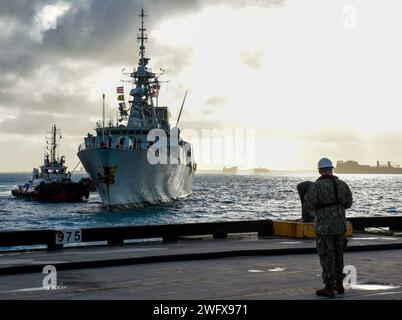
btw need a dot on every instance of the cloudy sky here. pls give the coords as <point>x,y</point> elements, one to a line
<point>313,78</point>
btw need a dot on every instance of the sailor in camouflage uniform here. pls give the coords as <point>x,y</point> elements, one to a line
<point>329,197</point>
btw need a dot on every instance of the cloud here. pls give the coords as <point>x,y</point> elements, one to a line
<point>252,59</point>
<point>47,31</point>
<point>216,101</point>
<point>56,57</point>
<point>173,59</point>
<point>46,19</point>
<point>58,90</point>
<point>93,34</point>
<point>38,124</point>
<point>332,135</point>
<point>203,125</point>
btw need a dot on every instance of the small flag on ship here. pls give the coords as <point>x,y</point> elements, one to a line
<point>120,90</point>
<point>120,97</point>
<point>155,90</point>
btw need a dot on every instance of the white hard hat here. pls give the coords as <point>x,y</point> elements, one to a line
<point>325,163</point>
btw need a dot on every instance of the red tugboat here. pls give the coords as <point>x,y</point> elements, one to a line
<point>52,182</point>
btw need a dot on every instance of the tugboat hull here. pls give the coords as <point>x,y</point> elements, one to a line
<point>54,192</point>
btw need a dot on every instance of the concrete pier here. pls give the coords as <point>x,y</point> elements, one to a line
<point>245,267</point>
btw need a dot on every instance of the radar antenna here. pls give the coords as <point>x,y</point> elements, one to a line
<point>143,37</point>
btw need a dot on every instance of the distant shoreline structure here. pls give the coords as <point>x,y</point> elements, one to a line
<point>236,170</point>
<point>250,172</point>
<point>353,167</point>
<point>342,167</point>
<point>253,171</point>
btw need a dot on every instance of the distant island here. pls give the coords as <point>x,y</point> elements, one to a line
<point>236,170</point>
<point>261,170</point>
<point>232,170</point>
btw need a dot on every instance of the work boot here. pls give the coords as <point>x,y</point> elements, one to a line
<point>327,291</point>
<point>339,287</point>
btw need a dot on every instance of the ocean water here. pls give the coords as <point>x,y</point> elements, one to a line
<point>216,197</point>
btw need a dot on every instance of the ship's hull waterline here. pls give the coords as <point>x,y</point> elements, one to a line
<point>125,178</point>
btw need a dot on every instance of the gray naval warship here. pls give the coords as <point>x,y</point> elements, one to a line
<point>117,156</point>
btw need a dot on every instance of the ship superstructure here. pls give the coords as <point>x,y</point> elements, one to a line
<point>117,156</point>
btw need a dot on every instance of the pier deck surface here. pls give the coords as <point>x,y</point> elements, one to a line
<point>243,277</point>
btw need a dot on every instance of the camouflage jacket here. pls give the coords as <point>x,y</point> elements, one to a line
<point>329,214</point>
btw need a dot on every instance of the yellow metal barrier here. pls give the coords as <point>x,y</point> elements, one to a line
<point>299,229</point>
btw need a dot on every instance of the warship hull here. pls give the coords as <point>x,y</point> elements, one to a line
<point>125,178</point>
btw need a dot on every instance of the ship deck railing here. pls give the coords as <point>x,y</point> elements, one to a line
<point>92,146</point>
<point>140,146</point>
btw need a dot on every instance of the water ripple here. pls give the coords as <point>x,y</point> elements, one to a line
<point>215,198</point>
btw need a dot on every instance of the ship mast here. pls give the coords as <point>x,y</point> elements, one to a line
<point>143,75</point>
<point>103,118</point>
<point>142,107</point>
<point>143,37</point>
<point>53,144</point>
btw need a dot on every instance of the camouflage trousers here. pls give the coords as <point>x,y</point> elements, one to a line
<point>330,248</point>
